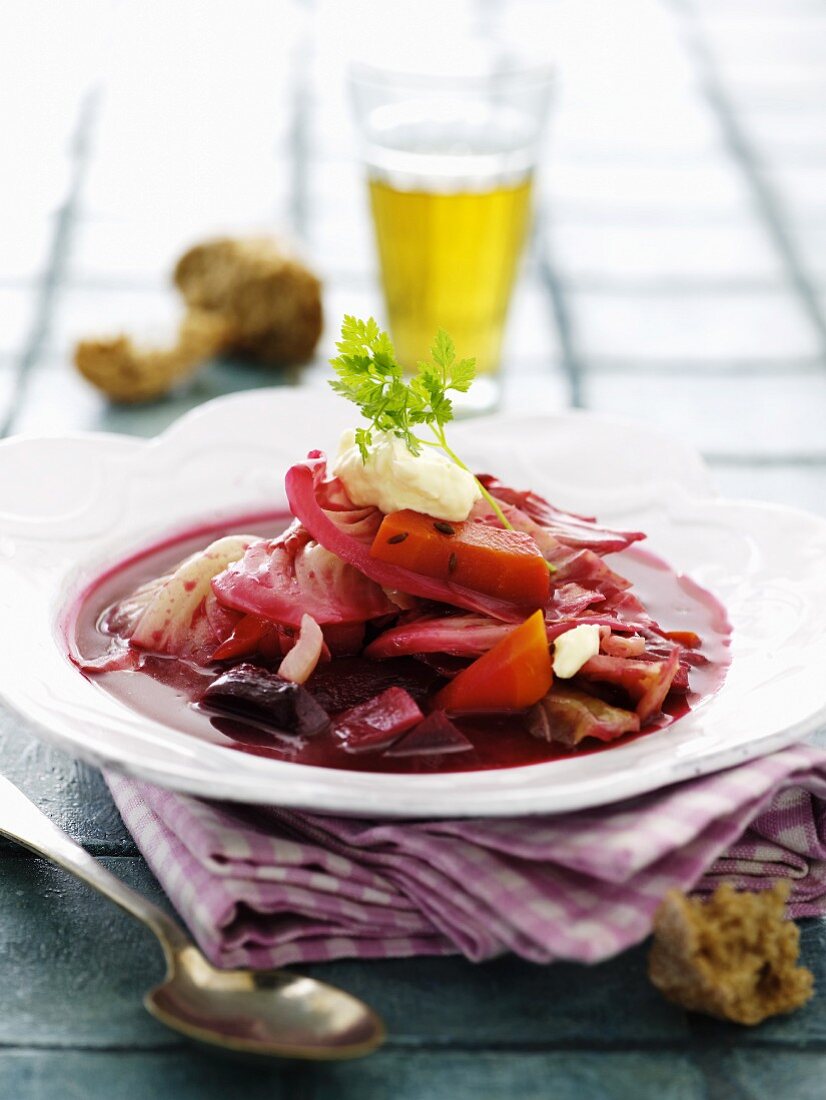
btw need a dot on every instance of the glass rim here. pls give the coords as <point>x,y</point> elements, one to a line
<point>522,73</point>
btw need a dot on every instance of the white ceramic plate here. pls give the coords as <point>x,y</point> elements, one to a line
<point>70,505</point>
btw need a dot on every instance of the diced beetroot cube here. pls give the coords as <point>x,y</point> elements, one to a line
<point>377,723</point>
<point>254,693</point>
<point>435,735</point>
<point>350,681</point>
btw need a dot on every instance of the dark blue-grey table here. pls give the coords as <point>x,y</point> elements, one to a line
<point>677,276</point>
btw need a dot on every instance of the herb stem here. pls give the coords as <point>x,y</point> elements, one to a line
<point>443,443</point>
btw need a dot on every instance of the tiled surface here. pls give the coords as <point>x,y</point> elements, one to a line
<point>678,276</point>
<point>643,256</point>
<point>684,229</point>
<point>712,329</point>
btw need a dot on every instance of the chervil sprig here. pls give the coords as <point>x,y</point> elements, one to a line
<point>370,376</point>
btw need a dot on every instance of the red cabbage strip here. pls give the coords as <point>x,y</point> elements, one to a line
<point>306,485</point>
<point>586,568</point>
<point>291,575</point>
<point>459,635</point>
<point>646,681</point>
<point>577,532</point>
<point>572,599</point>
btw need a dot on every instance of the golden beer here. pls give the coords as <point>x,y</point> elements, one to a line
<point>448,260</point>
<point>451,135</point>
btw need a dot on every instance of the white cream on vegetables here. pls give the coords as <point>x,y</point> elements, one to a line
<point>393,478</point>
<point>574,648</point>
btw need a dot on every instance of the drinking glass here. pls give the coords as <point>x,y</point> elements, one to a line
<point>450,153</point>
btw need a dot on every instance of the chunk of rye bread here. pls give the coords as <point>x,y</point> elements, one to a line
<point>732,956</point>
<point>268,298</point>
<point>129,373</point>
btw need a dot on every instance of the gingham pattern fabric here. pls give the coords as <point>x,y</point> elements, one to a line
<point>267,887</point>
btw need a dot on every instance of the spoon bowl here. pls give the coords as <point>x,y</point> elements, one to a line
<point>269,1012</point>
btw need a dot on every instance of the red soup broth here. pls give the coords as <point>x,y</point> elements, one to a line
<point>168,690</point>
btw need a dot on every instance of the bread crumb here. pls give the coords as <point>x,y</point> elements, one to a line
<point>732,956</point>
<point>271,301</point>
<point>130,373</point>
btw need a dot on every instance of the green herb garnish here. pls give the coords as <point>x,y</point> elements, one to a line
<point>371,377</point>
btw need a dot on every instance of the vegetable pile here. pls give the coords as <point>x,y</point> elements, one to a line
<point>483,605</point>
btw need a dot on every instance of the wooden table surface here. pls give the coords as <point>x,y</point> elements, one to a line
<point>677,276</point>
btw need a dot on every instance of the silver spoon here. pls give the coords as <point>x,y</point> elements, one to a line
<point>270,1012</point>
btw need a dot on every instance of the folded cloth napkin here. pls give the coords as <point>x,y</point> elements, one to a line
<point>265,887</point>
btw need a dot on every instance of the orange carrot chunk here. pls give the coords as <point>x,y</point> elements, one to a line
<point>685,638</point>
<point>516,673</point>
<point>492,560</point>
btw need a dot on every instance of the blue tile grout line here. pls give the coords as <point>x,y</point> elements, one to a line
<point>555,291</point>
<point>488,13</point>
<point>619,286</point>
<point>47,288</point>
<point>300,140</point>
<point>763,460</point>
<point>694,1044</point>
<point>744,154</point>
<point>666,369</point>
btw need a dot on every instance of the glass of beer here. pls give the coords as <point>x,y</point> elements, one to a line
<point>450,157</point>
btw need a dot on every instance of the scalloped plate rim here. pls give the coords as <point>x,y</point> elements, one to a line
<point>327,790</point>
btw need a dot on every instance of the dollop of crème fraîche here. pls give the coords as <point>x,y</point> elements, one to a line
<point>393,478</point>
<point>575,648</point>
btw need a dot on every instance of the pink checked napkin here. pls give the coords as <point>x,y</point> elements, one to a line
<point>267,887</point>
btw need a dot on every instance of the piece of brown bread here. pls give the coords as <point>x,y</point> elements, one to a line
<point>128,372</point>
<point>270,300</point>
<point>732,956</point>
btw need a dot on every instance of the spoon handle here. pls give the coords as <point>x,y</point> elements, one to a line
<point>22,821</point>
